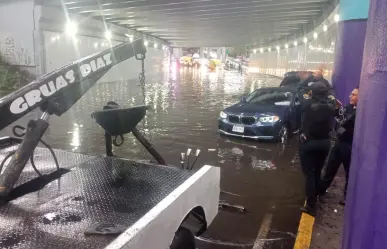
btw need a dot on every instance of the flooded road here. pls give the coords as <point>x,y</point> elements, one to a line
<point>264,177</point>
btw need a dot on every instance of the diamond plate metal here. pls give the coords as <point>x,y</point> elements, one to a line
<point>45,162</point>
<point>100,190</point>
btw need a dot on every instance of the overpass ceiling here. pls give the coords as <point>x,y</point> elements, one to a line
<point>194,23</point>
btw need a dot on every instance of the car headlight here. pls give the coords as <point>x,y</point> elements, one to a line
<point>223,115</point>
<point>269,119</point>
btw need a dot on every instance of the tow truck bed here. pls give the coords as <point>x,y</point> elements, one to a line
<point>148,201</point>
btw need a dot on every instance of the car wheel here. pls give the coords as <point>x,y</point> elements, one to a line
<point>183,239</point>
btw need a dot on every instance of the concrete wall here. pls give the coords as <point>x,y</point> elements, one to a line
<point>60,49</point>
<point>16,32</point>
<point>303,57</point>
<point>317,52</point>
<point>33,36</point>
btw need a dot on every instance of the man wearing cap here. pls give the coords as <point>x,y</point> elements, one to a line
<point>318,111</point>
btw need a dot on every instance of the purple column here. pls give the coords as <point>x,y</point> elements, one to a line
<point>366,209</point>
<point>348,57</point>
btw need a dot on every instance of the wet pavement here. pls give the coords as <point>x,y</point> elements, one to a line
<point>264,177</point>
<point>329,223</point>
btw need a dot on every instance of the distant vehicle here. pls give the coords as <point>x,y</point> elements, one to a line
<point>186,61</point>
<point>266,114</point>
<point>196,60</point>
<point>293,77</point>
<point>213,64</point>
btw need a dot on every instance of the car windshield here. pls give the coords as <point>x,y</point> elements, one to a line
<point>270,97</point>
<point>290,80</point>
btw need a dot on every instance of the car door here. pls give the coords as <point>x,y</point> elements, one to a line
<point>295,113</point>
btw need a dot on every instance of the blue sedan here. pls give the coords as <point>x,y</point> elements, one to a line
<point>266,114</point>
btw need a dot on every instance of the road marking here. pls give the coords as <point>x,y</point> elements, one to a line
<point>304,234</point>
<point>263,231</point>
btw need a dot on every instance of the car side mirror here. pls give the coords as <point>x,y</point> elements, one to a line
<point>243,99</point>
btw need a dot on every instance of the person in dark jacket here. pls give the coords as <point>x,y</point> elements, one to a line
<point>318,76</point>
<point>318,111</point>
<point>342,150</point>
<point>307,79</point>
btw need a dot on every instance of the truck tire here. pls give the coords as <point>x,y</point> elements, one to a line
<point>183,239</point>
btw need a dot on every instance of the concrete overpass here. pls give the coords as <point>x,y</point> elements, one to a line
<point>196,23</point>
<point>33,37</point>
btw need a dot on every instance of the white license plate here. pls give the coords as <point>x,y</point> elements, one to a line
<point>238,128</point>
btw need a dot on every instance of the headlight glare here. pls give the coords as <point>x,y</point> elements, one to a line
<point>269,119</point>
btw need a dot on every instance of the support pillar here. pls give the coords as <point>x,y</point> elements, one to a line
<point>208,52</point>
<point>349,46</point>
<point>366,210</point>
<point>201,52</point>
<point>177,52</point>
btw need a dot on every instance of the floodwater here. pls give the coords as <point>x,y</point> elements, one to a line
<point>263,177</point>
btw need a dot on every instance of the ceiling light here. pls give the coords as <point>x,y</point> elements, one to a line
<point>325,28</point>
<point>305,40</point>
<point>146,43</point>
<point>315,35</point>
<point>155,45</point>
<point>85,11</point>
<point>261,50</point>
<point>269,49</point>
<point>337,18</point>
<point>278,48</point>
<point>130,37</point>
<point>255,51</point>
<point>286,46</point>
<point>108,34</point>
<point>71,28</point>
<point>295,43</point>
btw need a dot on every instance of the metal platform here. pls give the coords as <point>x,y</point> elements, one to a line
<point>56,210</point>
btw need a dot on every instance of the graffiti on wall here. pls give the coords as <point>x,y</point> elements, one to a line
<point>15,52</point>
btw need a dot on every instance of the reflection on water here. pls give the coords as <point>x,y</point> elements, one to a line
<point>185,104</point>
<point>75,136</point>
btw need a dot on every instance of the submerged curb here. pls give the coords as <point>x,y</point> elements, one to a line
<point>304,234</point>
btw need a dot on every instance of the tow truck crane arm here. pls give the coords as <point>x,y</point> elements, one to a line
<point>58,91</point>
<point>55,93</point>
